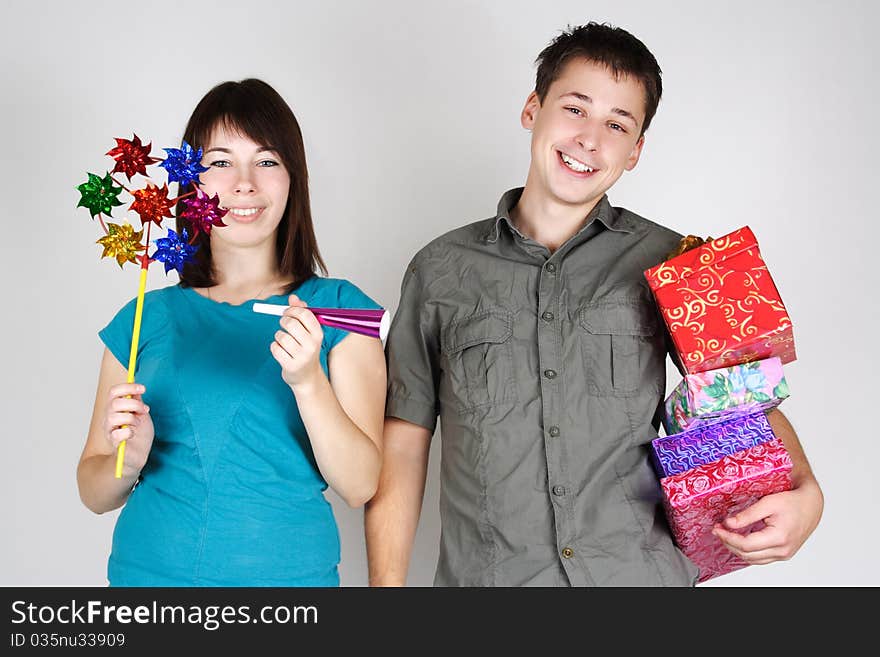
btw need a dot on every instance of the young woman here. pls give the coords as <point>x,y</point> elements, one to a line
<point>237,422</point>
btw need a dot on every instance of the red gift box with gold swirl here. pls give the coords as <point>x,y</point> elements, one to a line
<point>721,305</point>
<point>700,497</point>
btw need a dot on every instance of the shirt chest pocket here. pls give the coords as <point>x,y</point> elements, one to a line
<point>478,361</point>
<point>621,357</point>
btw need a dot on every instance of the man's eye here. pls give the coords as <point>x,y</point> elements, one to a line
<point>574,110</point>
<point>617,126</point>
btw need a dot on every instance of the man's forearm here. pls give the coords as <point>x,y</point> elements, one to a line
<point>391,517</point>
<point>801,473</point>
<point>390,532</point>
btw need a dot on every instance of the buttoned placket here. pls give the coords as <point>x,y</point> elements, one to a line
<point>549,359</point>
<point>551,283</point>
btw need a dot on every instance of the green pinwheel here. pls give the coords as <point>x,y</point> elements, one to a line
<point>99,195</point>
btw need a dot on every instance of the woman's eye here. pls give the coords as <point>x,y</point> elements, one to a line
<point>220,164</point>
<point>267,163</point>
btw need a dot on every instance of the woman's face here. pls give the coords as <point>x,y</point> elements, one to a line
<point>252,183</point>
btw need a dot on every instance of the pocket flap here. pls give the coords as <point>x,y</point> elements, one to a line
<point>619,317</point>
<point>494,325</point>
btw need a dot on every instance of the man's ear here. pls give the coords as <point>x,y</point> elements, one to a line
<point>530,111</point>
<point>633,158</point>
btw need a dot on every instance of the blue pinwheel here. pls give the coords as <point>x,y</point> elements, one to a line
<point>174,251</point>
<point>183,164</point>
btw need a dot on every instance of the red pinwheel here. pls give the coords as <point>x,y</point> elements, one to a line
<point>131,157</point>
<point>152,203</point>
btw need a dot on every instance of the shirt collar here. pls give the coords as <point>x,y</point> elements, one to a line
<point>610,217</point>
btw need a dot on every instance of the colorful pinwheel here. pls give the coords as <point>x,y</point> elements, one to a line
<point>151,203</point>
<point>203,212</point>
<point>131,157</point>
<point>183,165</point>
<point>99,195</point>
<point>174,250</point>
<point>122,243</point>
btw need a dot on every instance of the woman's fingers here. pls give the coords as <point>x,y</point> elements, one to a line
<point>295,301</point>
<point>126,405</point>
<point>123,433</point>
<point>306,317</point>
<point>280,354</point>
<point>124,411</point>
<point>126,390</point>
<point>295,328</point>
<point>119,419</point>
<point>287,342</point>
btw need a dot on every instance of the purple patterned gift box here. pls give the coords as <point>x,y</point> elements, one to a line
<point>708,397</point>
<point>673,455</point>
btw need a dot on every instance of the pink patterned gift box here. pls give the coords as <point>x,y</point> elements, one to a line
<point>707,397</point>
<point>697,499</point>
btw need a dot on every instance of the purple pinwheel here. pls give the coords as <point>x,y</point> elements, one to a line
<point>174,251</point>
<point>203,212</point>
<point>183,164</point>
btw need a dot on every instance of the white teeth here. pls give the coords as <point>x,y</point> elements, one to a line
<point>573,164</point>
<point>243,212</point>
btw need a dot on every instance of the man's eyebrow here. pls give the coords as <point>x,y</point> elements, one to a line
<point>582,97</point>
<point>616,110</point>
<point>627,115</point>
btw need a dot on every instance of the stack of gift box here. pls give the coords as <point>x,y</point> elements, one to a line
<point>732,335</point>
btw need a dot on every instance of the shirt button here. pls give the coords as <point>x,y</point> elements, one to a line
<point>559,491</point>
<point>550,374</point>
<point>554,431</point>
<point>547,316</point>
<point>568,553</point>
<point>550,267</point>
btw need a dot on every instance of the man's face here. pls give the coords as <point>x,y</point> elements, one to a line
<point>584,135</point>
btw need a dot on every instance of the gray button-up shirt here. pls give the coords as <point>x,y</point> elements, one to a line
<point>547,371</point>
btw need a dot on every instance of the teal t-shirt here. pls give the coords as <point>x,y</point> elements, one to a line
<point>231,494</point>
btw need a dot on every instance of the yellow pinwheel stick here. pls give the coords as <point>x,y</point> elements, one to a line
<point>132,358</point>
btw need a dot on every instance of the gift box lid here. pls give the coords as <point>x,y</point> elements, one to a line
<point>716,251</point>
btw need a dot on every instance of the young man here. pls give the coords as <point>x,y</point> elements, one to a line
<point>535,338</point>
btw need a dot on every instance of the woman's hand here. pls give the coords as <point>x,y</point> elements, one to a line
<point>297,346</point>
<point>128,418</point>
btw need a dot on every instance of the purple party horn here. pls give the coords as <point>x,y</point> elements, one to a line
<point>369,322</point>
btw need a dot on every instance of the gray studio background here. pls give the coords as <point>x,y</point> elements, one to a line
<point>410,112</point>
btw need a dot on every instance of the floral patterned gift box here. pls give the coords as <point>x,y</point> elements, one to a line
<point>707,397</point>
<point>721,306</point>
<point>700,497</point>
<point>680,452</point>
